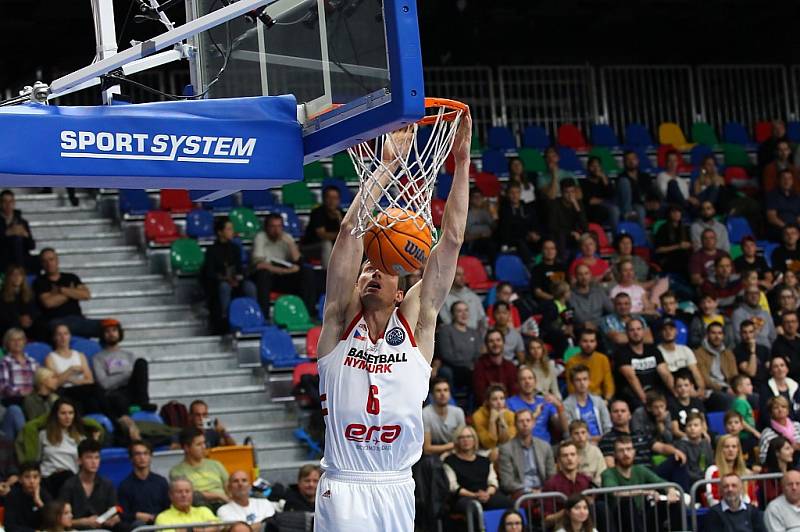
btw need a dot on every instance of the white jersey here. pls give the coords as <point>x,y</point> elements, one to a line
<point>372,395</point>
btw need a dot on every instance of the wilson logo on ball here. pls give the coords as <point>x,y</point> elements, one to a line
<point>412,249</point>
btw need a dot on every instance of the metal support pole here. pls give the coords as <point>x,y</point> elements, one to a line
<point>105,35</point>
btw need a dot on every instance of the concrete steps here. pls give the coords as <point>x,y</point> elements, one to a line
<point>56,229</point>
<point>112,285</point>
<point>216,398</point>
<point>285,473</point>
<point>276,432</point>
<point>253,414</point>
<point>80,241</point>
<point>188,327</point>
<point>198,383</point>
<point>130,299</point>
<point>30,202</point>
<point>144,314</point>
<point>176,346</point>
<point>170,364</point>
<point>134,266</point>
<point>84,211</point>
<point>97,254</point>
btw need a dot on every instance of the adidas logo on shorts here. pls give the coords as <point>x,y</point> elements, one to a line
<point>327,494</point>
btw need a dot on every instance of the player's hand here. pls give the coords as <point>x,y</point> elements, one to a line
<point>463,140</point>
<point>397,147</point>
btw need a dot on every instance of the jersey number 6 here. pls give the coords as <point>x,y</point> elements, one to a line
<point>373,404</point>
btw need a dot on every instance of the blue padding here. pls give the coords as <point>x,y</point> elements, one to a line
<point>738,228</point>
<point>716,422</point>
<point>635,231</point>
<point>495,162</point>
<point>569,160</point>
<point>103,421</point>
<point>793,131</point>
<point>443,185</point>
<point>245,315</point>
<point>86,346</point>
<point>224,144</point>
<point>277,348</point>
<point>698,153</point>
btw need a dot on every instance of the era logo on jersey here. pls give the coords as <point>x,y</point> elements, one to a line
<point>395,336</point>
<point>361,433</point>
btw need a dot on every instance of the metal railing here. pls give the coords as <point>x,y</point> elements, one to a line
<point>474,86</point>
<point>474,514</point>
<point>794,77</point>
<point>693,491</point>
<point>185,526</point>
<point>526,503</point>
<point>608,511</point>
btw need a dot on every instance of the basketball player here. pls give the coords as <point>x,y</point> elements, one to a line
<point>375,351</point>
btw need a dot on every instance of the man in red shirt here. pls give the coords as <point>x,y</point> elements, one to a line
<point>567,481</point>
<point>491,367</point>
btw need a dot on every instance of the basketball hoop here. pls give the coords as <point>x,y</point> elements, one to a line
<point>398,170</point>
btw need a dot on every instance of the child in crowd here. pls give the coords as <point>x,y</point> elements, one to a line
<point>654,417</point>
<point>743,387</point>
<point>734,425</point>
<point>696,448</point>
<point>684,403</point>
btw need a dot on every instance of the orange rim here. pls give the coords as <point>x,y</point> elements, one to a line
<point>455,107</point>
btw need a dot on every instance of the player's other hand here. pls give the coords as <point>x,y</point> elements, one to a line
<point>463,140</point>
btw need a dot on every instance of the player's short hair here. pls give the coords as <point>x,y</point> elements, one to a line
<point>29,466</point>
<point>652,397</point>
<point>195,403</point>
<point>586,332</point>
<point>738,380</point>
<point>453,306</point>
<point>788,313</point>
<point>730,414</point>
<point>331,188</point>
<point>139,443</point>
<point>6,192</point>
<point>621,295</point>
<point>522,411</point>
<point>501,304</point>
<point>667,295</point>
<point>461,428</point>
<point>568,183</point>
<point>714,325</point>
<point>622,439</point>
<point>272,216</point>
<point>180,478</point>
<point>686,375</point>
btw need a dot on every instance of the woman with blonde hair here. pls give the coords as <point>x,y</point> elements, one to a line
<point>38,403</point>
<point>779,424</point>
<point>538,360</point>
<point>729,458</point>
<point>494,423</point>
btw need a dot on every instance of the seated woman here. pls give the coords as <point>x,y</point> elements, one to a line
<point>780,424</point>
<point>788,281</point>
<point>577,515</point>
<point>600,269</point>
<point>545,370</point>
<point>709,183</point>
<point>493,422</point>
<point>518,174</point>
<point>728,458</point>
<point>17,302</point>
<point>673,246</point>
<point>58,444</point>
<point>16,380</point>
<point>780,459</point>
<point>470,475</point>
<point>643,300</point>
<point>44,396</point>
<point>624,251</point>
<point>75,379</point>
<point>779,385</point>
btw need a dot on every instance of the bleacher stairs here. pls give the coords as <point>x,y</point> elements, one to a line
<point>162,325</point>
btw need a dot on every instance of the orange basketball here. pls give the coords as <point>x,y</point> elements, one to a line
<point>401,249</point>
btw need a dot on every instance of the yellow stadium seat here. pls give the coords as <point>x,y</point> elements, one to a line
<point>237,458</point>
<point>671,133</point>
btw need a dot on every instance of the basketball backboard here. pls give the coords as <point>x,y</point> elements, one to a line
<point>354,66</point>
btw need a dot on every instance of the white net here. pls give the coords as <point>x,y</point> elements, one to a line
<point>398,170</point>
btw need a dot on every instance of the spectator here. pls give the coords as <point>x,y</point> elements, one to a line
<point>600,206</point>
<point>768,149</point>
<point>16,240</point>
<point>732,513</point>
<point>702,261</point>
<point>18,308</point>
<point>601,380</point>
<point>518,174</point>
<point>39,403</point>
<point>548,412</point>
<point>588,299</point>
<point>525,462</point>
<point>696,447</point>
<point>301,497</point>
<point>717,363</point>
<point>670,312</point>
<point>780,459</point>
<point>557,319</point>
<point>751,310</point>
<point>734,424</point>
<point>242,507</point>
<point>780,385</point>
<point>537,359</point>
<point>743,388</point>
<point>788,281</point>
<point>58,444</point>
<point>577,517</point>
<point>481,222</point>
<point>787,256</point>
<point>685,401</point>
<point>568,480</point>
<point>459,291</point>
<point>673,245</point>
<point>470,475</point>
<point>513,345</point>
<point>89,494</point>
<point>614,325</point>
<point>492,367</point>
<point>493,421</point>
<point>750,260</point>
<point>678,357</point>
<point>641,185</point>
<point>643,301</point>
<point>725,285</point>
<point>783,513</point>
<point>566,219</point>
<point>639,366</point>
<point>624,250</point>
<point>181,510</point>
<point>440,419</point>
<point>601,270</point>
<point>518,225</point>
<point>142,494</point>
<point>17,372</point>
<point>653,418</point>
<point>547,272</point>
<point>59,294</point>
<point>75,379</point>
<point>458,346</point>
<point>123,377</point>
<point>215,433</point>
<point>590,456</point>
<point>323,226</point>
<point>783,205</point>
<point>781,163</point>
<point>780,424</point>
<point>787,302</point>
<point>580,404</point>
<point>708,314</point>
<point>729,458</point>
<point>550,184</point>
<point>208,476</point>
<point>788,342</point>
<point>504,292</point>
<point>57,517</point>
<point>511,520</point>
<point>708,185</point>
<point>223,275</point>
<point>26,500</point>
<point>672,187</point>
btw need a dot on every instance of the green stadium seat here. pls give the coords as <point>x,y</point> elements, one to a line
<point>245,222</point>
<point>703,133</point>
<point>314,172</point>
<point>533,160</point>
<point>298,195</point>
<point>290,312</point>
<point>186,256</point>
<point>736,155</point>
<point>607,160</point>
<point>476,148</point>
<point>343,167</point>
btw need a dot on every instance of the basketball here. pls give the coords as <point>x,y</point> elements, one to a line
<point>400,250</point>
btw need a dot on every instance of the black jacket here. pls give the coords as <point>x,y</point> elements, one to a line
<point>750,520</point>
<point>21,514</point>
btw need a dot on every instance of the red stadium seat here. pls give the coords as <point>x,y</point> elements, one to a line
<point>175,201</point>
<point>661,157</point>
<point>763,131</point>
<point>437,211</point>
<point>488,184</point>
<point>450,166</point>
<point>570,136</point>
<point>735,173</point>
<point>604,247</point>
<point>159,228</point>
<point>312,338</point>
<point>474,273</point>
<point>304,368</point>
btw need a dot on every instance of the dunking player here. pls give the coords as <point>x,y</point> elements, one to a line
<point>375,352</point>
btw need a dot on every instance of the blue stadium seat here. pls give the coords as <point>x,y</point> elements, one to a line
<point>244,316</point>
<point>200,224</point>
<point>645,164</point>
<point>221,205</point>
<point>277,349</point>
<point>444,182</point>
<point>134,202</point>
<point>491,519</point>
<point>793,131</point>
<point>115,464</point>
<point>258,200</point>
<point>103,421</point>
<point>291,222</point>
<point>638,135</point>
<point>736,133</point>
<point>150,417</point>
<point>569,160</point>
<point>698,153</point>
<point>769,247</point>
<point>321,305</point>
<point>243,250</point>
<point>738,228</point>
<point>86,346</point>
<point>603,135</point>
<point>495,162</point>
<point>716,422</point>
<point>510,268</point>
<point>345,193</point>
<point>536,137</point>
<point>502,138</point>
<point>682,337</point>
<point>636,231</point>
<point>38,351</point>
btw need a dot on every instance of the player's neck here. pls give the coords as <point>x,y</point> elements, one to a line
<point>377,319</point>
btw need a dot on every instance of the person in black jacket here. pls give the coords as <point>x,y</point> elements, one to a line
<point>17,302</point>
<point>300,497</point>
<point>733,514</point>
<point>16,239</point>
<point>223,275</point>
<point>518,224</point>
<point>25,501</point>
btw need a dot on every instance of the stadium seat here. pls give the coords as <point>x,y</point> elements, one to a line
<point>343,167</point>
<point>475,146</point>
<point>150,417</point>
<point>115,465</point>
<point>444,182</point>
<point>569,160</point>
<point>535,137</point>
<point>488,184</point>
<point>291,222</point>
<point>321,305</point>
<point>607,160</point>
<point>218,206</point>
<point>159,228</point>
<point>450,165</point>
<point>475,275</point>
<point>736,133</point>
<point>769,247</point>
<point>186,256</point>
<point>698,153</point>
<point>300,370</point>
<point>314,172</point>
<point>245,222</point>
<point>245,316</point>
<point>494,162</point>
<point>604,247</point>
<point>736,251</point>
<point>603,135</point>
<point>298,195</point>
<point>437,211</point>
<point>645,164</point>
<point>636,232</point>
<point>236,458</point>
<point>291,312</point>
<point>570,136</point>
<point>671,133</point>
<point>763,130</point>
<point>511,269</point>
<point>682,337</point>
<point>312,339</point>
<point>533,160</point>
<point>134,202</point>
<point>638,135</point>
<point>277,349</point>
<point>661,157</point>
<point>793,131</point>
<point>491,519</point>
<point>200,224</point>
<point>703,134</point>
<point>38,351</point>
<point>716,422</point>
<point>735,155</point>
<point>258,200</point>
<point>175,200</point>
<point>502,138</point>
<point>738,228</point>
<point>86,346</point>
<point>104,422</point>
<point>345,194</point>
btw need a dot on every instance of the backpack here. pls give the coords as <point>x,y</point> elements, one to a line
<point>175,414</point>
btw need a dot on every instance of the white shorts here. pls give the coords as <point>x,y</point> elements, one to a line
<point>365,501</point>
